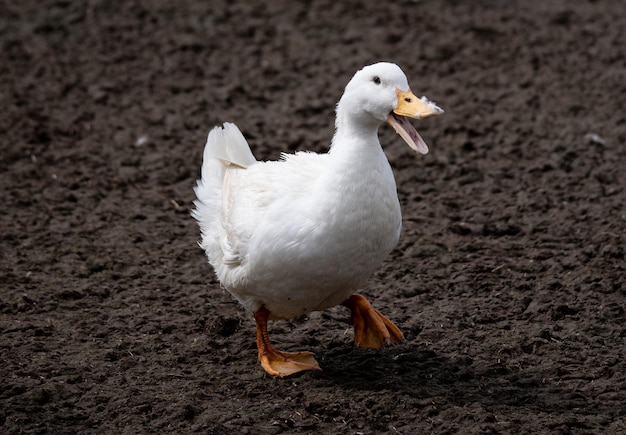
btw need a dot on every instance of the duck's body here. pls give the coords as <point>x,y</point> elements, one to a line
<point>304,233</point>
<point>297,229</point>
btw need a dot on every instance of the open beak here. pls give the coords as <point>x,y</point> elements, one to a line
<point>409,106</point>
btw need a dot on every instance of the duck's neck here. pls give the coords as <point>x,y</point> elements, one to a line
<point>356,140</point>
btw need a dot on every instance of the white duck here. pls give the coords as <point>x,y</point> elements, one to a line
<point>304,233</point>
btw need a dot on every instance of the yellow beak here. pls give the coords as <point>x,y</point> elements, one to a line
<point>409,106</point>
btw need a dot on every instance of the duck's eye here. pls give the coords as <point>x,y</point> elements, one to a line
<point>408,99</point>
<point>376,80</point>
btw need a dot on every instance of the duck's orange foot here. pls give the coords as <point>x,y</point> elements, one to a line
<point>275,362</point>
<point>371,328</point>
<point>278,363</point>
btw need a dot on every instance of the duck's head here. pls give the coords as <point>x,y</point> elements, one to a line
<point>381,93</point>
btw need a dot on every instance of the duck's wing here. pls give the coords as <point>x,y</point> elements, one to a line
<point>248,194</point>
<point>235,193</point>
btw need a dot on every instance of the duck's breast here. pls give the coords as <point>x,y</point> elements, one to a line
<point>313,250</point>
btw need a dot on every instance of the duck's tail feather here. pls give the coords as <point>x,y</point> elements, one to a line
<point>225,146</point>
<point>228,145</point>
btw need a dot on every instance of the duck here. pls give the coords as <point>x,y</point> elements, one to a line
<point>305,232</point>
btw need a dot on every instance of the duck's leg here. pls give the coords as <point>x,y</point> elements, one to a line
<point>371,328</point>
<point>275,362</point>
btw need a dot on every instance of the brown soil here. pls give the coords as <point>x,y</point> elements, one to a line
<point>509,280</point>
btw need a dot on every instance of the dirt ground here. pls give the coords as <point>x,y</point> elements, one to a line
<point>509,279</point>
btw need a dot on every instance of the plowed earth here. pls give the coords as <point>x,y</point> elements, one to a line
<point>508,281</point>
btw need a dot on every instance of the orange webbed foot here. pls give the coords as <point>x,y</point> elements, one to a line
<point>371,328</point>
<point>275,362</point>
